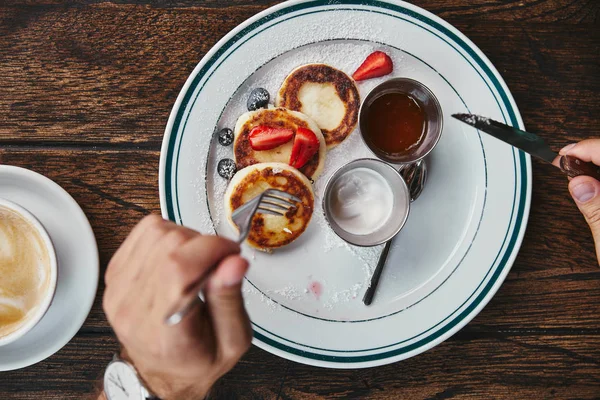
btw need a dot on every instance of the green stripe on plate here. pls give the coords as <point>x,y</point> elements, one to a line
<point>171,200</point>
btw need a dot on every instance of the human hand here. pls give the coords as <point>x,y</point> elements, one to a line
<point>154,267</point>
<point>586,190</point>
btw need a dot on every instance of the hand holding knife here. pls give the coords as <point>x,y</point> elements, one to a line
<point>530,143</point>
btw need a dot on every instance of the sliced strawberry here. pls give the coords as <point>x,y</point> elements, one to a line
<point>266,138</point>
<point>377,64</point>
<point>306,145</point>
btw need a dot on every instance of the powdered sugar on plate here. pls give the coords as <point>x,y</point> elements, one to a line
<point>273,284</point>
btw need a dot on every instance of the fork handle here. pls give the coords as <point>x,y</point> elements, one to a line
<point>178,316</point>
<point>187,304</point>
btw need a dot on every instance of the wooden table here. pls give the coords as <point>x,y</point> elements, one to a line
<point>85,93</point>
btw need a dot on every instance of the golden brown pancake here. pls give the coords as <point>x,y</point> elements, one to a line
<point>271,231</point>
<point>244,155</point>
<point>326,95</point>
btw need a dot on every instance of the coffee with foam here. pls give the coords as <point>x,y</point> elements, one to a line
<point>25,271</point>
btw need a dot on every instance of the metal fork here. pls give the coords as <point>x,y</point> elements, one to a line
<point>271,201</point>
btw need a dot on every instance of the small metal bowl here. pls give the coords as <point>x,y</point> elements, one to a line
<point>400,210</point>
<point>431,107</point>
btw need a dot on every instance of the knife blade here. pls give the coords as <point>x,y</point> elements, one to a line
<point>531,144</point>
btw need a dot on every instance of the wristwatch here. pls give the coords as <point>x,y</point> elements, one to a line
<point>122,382</point>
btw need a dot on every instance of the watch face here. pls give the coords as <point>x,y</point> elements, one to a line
<point>121,382</point>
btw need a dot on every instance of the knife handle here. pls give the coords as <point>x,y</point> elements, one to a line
<point>573,167</point>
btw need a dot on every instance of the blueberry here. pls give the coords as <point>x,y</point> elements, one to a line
<point>259,98</point>
<point>225,137</point>
<point>226,168</point>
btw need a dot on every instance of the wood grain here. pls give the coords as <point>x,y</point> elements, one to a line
<point>107,73</point>
<point>523,368</point>
<point>99,74</point>
<point>86,88</point>
<point>115,189</point>
<point>563,11</point>
<point>499,367</point>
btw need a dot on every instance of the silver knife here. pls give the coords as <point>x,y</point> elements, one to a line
<point>529,143</point>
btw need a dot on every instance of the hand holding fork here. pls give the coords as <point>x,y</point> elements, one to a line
<point>272,202</point>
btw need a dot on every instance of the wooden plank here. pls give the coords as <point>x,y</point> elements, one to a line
<point>464,367</point>
<point>100,73</point>
<point>115,190</point>
<point>499,367</point>
<point>85,91</point>
<point>108,73</point>
<point>552,286</point>
<point>563,11</point>
<point>554,85</point>
<point>75,372</point>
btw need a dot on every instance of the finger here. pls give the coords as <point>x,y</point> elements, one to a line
<point>139,257</point>
<point>586,150</point>
<point>150,249</point>
<point>128,285</point>
<point>185,267</point>
<point>120,259</point>
<point>586,193</point>
<point>143,280</point>
<point>565,150</point>
<point>226,308</point>
<point>556,161</point>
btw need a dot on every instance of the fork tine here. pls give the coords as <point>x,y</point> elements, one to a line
<point>270,211</point>
<point>286,207</point>
<point>270,202</point>
<point>286,200</point>
<point>282,195</point>
<point>282,199</point>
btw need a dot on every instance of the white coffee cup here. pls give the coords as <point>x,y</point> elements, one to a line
<point>50,270</point>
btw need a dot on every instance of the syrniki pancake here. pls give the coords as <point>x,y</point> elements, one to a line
<point>271,231</point>
<point>325,94</point>
<point>245,155</point>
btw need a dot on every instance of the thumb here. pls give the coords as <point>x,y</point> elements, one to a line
<point>586,193</point>
<point>226,307</point>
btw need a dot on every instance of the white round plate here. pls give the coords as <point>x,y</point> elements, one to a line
<point>78,265</point>
<point>462,235</point>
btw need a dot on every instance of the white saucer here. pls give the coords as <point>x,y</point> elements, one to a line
<point>78,265</point>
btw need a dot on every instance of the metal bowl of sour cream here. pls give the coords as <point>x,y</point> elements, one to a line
<point>366,202</point>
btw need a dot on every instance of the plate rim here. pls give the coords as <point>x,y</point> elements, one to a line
<point>507,259</point>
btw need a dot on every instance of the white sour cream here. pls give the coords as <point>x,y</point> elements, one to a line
<point>361,201</point>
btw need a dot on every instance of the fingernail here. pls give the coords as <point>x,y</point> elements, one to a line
<point>233,281</point>
<point>566,149</point>
<point>584,192</point>
<point>226,282</point>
